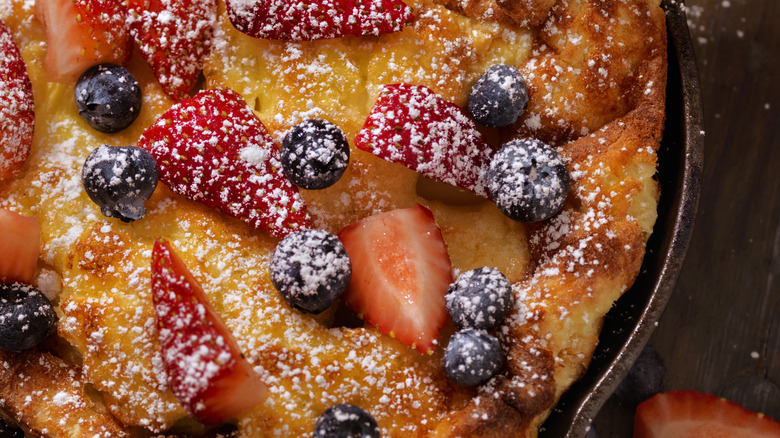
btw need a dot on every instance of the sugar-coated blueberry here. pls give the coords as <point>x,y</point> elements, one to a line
<point>479,299</point>
<point>499,97</point>
<point>119,179</point>
<point>108,97</point>
<point>528,180</point>
<point>346,421</point>
<point>315,154</point>
<point>472,357</point>
<point>310,269</point>
<point>26,317</point>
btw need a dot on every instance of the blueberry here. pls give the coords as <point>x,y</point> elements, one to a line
<point>345,421</point>
<point>528,181</point>
<point>119,180</point>
<point>472,357</point>
<point>26,317</point>
<point>310,269</point>
<point>644,380</point>
<point>315,154</point>
<point>479,299</point>
<point>108,97</point>
<point>499,97</point>
<point>7,431</point>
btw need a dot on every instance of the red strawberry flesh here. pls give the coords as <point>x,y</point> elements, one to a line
<point>412,125</point>
<point>400,273</point>
<point>20,244</point>
<point>306,20</point>
<point>17,112</point>
<point>206,370</point>
<point>82,33</point>
<point>213,149</point>
<point>174,38</point>
<point>683,414</point>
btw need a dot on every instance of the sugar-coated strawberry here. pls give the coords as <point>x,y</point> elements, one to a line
<point>213,149</point>
<point>17,108</point>
<point>206,370</point>
<point>20,245</point>
<point>412,125</point>
<point>400,273</point>
<point>684,414</point>
<point>306,20</point>
<point>174,37</point>
<point>82,33</point>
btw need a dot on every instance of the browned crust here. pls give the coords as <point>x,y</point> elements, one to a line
<point>38,388</point>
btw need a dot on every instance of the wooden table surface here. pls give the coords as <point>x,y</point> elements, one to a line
<point>720,332</point>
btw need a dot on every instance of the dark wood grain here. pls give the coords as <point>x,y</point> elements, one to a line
<point>720,333</point>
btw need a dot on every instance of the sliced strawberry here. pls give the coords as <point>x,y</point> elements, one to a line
<point>400,273</point>
<point>20,245</point>
<point>213,149</point>
<point>17,112</point>
<point>174,37</point>
<point>206,370</point>
<point>82,33</point>
<point>412,125</point>
<point>683,414</point>
<point>306,20</point>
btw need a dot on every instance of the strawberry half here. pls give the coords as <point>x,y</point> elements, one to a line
<point>683,414</point>
<point>306,20</point>
<point>174,37</point>
<point>17,108</point>
<point>400,273</point>
<point>206,370</point>
<point>82,33</point>
<point>20,245</point>
<point>213,149</point>
<point>412,125</point>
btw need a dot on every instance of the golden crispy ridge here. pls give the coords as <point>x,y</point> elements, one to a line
<point>594,66</point>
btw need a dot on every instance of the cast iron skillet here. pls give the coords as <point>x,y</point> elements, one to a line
<point>629,324</point>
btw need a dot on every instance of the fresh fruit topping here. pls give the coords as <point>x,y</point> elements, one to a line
<point>108,97</point>
<point>315,154</point>
<point>644,380</point>
<point>345,421</point>
<point>528,180</point>
<point>17,109</point>
<point>213,149</point>
<point>479,299</point>
<point>119,179</point>
<point>206,370</point>
<point>26,317</point>
<point>82,33</point>
<point>499,97</point>
<point>174,38</point>
<point>20,245</point>
<point>310,269</point>
<point>472,357</point>
<point>306,20</point>
<point>684,414</point>
<point>412,125</point>
<point>400,274</point>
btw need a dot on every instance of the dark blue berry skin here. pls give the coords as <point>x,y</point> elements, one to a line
<point>479,299</point>
<point>119,179</point>
<point>528,180</point>
<point>108,97</point>
<point>472,357</point>
<point>310,269</point>
<point>346,421</point>
<point>499,97</point>
<point>315,154</point>
<point>644,380</point>
<point>26,317</point>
